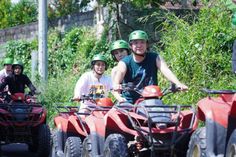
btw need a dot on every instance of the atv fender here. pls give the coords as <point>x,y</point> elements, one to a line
<point>231,119</point>
<point>121,121</point>
<point>61,123</point>
<point>97,134</point>
<point>43,116</point>
<point>214,112</point>
<point>186,118</point>
<point>75,126</point>
<point>215,109</point>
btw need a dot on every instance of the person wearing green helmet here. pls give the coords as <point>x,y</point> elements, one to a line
<point>118,49</point>
<point>17,81</point>
<point>141,68</point>
<point>93,82</point>
<point>7,70</point>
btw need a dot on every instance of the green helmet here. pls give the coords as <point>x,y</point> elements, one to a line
<point>20,63</point>
<point>8,61</point>
<point>98,57</point>
<point>138,34</point>
<point>118,44</point>
<point>234,19</point>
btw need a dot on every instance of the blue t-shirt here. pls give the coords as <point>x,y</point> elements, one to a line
<point>140,74</point>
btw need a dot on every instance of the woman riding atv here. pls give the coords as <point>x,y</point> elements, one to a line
<point>17,80</point>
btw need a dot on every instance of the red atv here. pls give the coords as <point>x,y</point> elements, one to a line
<point>149,127</point>
<point>218,136</point>
<point>74,131</point>
<point>23,120</point>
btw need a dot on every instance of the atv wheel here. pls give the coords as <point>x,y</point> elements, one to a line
<point>116,146</point>
<point>54,146</point>
<point>32,147</point>
<point>73,147</point>
<point>53,151</point>
<point>231,146</point>
<point>87,147</point>
<point>44,141</point>
<point>58,143</point>
<point>197,144</point>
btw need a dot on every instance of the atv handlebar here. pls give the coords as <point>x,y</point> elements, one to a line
<point>84,97</point>
<point>210,91</point>
<point>131,87</point>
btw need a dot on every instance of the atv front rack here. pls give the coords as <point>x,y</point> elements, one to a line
<point>149,134</point>
<point>74,110</point>
<point>12,115</point>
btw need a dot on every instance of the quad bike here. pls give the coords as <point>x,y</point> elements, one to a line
<point>218,136</point>
<point>149,127</point>
<point>23,120</point>
<point>74,131</point>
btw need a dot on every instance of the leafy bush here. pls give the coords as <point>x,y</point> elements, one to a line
<point>58,93</point>
<point>200,52</point>
<point>21,50</point>
<point>72,52</point>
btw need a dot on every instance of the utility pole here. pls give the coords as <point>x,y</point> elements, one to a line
<point>42,41</point>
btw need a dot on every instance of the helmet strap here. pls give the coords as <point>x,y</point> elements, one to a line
<point>97,74</point>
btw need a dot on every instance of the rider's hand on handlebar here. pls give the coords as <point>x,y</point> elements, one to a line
<point>117,87</point>
<point>181,87</point>
<point>121,100</point>
<point>75,99</point>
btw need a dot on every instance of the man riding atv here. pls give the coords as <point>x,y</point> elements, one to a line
<point>141,68</point>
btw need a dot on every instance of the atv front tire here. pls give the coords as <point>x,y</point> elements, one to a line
<point>231,146</point>
<point>44,141</point>
<point>116,146</point>
<point>87,147</point>
<point>197,144</point>
<point>73,147</point>
<point>32,147</point>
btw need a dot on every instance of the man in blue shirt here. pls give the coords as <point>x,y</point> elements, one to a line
<point>141,68</point>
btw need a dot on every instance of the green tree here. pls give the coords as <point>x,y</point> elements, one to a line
<point>15,14</point>
<point>24,12</point>
<point>5,13</point>
<point>141,3</point>
<point>58,8</point>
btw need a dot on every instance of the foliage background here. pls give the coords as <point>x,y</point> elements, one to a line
<point>16,14</point>
<point>198,50</point>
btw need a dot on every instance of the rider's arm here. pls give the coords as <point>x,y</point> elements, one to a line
<point>118,78</point>
<point>30,85</point>
<point>80,86</point>
<point>165,70</point>
<point>113,73</point>
<point>4,83</point>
